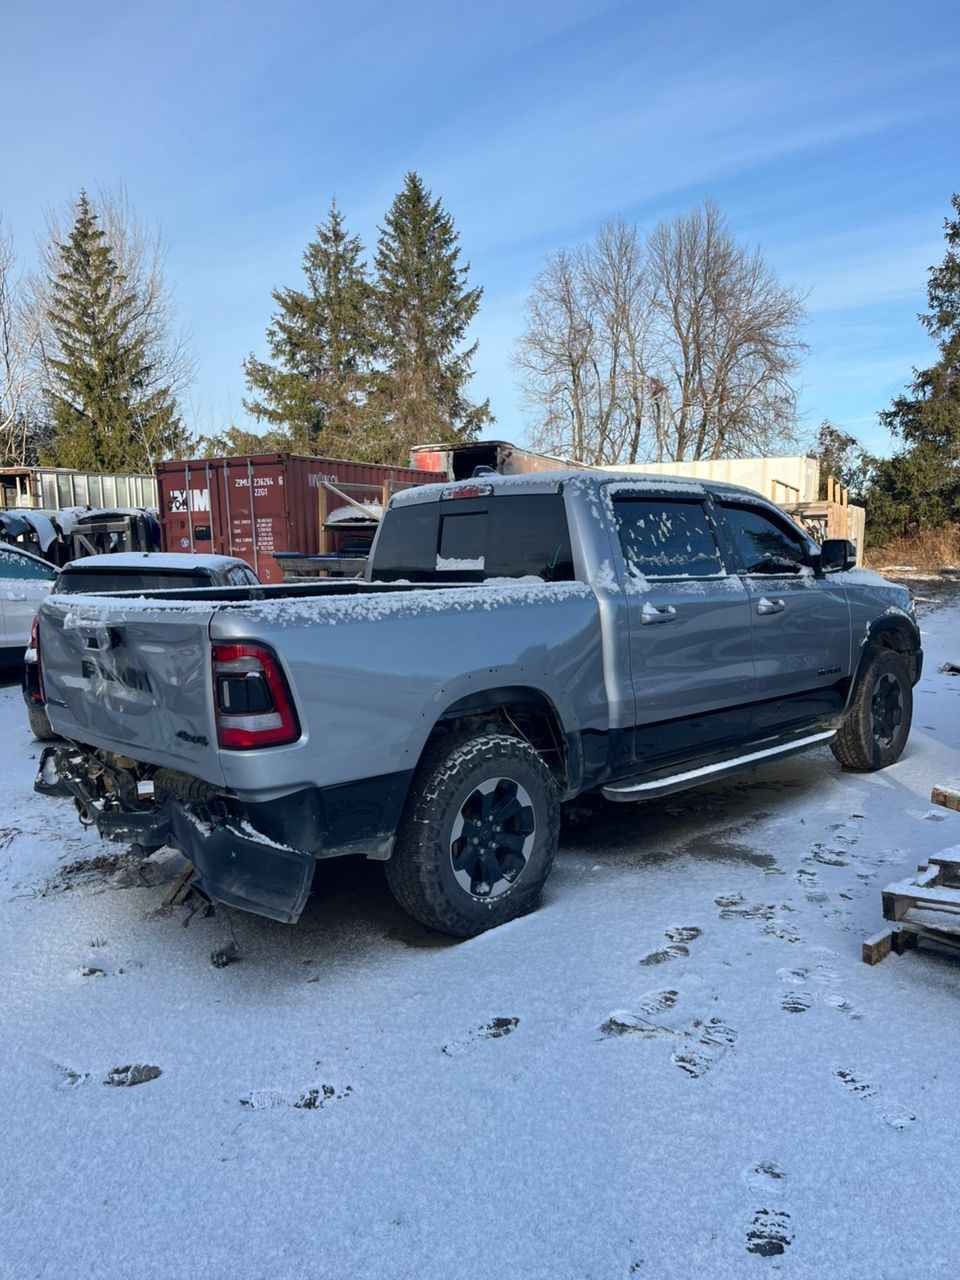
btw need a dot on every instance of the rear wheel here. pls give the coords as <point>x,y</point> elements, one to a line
<point>39,724</point>
<point>479,834</point>
<point>877,724</point>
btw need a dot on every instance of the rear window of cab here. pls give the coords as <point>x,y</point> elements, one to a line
<point>98,580</point>
<point>472,539</point>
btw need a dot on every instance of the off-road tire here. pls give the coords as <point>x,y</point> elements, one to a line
<point>856,746</point>
<point>420,873</point>
<point>39,724</point>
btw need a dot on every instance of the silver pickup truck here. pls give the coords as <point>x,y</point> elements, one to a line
<point>518,641</point>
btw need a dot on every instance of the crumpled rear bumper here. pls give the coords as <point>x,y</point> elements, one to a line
<point>242,871</point>
<point>239,867</point>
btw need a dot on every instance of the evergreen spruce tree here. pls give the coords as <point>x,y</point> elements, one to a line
<point>322,342</point>
<point>930,413</point>
<point>920,486</point>
<point>424,308</point>
<point>108,406</point>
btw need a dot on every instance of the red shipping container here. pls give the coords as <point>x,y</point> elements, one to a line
<point>255,505</point>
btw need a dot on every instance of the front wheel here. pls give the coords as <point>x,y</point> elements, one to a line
<point>479,835</point>
<point>875,729</point>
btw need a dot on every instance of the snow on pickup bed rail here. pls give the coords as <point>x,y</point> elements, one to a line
<point>99,611</point>
<point>334,610</point>
<point>326,609</point>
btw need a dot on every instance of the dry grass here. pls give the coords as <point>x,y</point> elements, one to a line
<point>929,551</point>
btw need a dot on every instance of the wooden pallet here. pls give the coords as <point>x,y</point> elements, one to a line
<point>948,797</point>
<point>925,907</point>
<point>181,888</point>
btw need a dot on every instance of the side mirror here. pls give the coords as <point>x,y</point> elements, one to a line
<point>837,554</point>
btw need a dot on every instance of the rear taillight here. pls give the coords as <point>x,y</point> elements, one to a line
<point>36,694</point>
<point>251,698</point>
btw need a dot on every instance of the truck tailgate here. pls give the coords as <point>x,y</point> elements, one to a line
<point>132,676</point>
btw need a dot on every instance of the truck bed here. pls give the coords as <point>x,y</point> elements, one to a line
<point>368,664</point>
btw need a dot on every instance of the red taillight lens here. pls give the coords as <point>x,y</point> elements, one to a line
<point>466,491</point>
<point>37,694</point>
<point>251,698</point>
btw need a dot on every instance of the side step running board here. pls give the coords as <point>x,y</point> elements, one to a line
<point>709,772</point>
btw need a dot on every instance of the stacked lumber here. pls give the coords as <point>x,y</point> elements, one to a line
<point>926,906</point>
<point>949,797</point>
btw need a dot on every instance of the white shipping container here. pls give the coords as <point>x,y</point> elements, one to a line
<point>782,480</point>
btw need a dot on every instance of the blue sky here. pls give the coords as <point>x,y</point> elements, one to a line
<point>826,132</point>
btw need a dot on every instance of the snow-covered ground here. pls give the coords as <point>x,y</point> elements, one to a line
<point>678,1067</point>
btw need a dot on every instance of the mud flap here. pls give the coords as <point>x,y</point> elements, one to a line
<point>267,879</point>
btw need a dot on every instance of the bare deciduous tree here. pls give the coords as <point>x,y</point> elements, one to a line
<point>682,347</point>
<point>18,346</point>
<point>731,343</point>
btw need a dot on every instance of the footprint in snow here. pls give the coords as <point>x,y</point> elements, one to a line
<point>733,906</point>
<point>829,857</point>
<point>657,1002</point>
<point>678,936</point>
<point>770,1233</point>
<point>826,977</point>
<point>766,1177</point>
<point>708,1043</point>
<point>683,933</point>
<point>71,1079</point>
<point>782,930</point>
<point>132,1074</point>
<point>834,1000</point>
<point>795,976</point>
<point>809,882</point>
<point>640,1021</point>
<point>666,953</point>
<point>495,1029</point>
<point>623,1022</point>
<point>796,1002</point>
<point>313,1098</point>
<point>891,1113</point>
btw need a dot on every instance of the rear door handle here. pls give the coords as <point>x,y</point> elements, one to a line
<point>765,605</point>
<point>650,613</point>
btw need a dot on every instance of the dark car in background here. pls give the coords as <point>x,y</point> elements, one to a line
<point>125,571</point>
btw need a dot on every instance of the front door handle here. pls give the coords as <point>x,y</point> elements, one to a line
<point>765,605</point>
<point>650,613</point>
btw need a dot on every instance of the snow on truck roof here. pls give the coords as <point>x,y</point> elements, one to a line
<point>550,481</point>
<point>183,560</point>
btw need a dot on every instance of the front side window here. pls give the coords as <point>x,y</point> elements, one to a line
<point>765,545</point>
<point>664,538</point>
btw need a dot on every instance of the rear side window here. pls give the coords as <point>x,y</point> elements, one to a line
<point>663,538</point>
<point>20,567</point>
<point>469,540</point>
<point>765,544</point>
